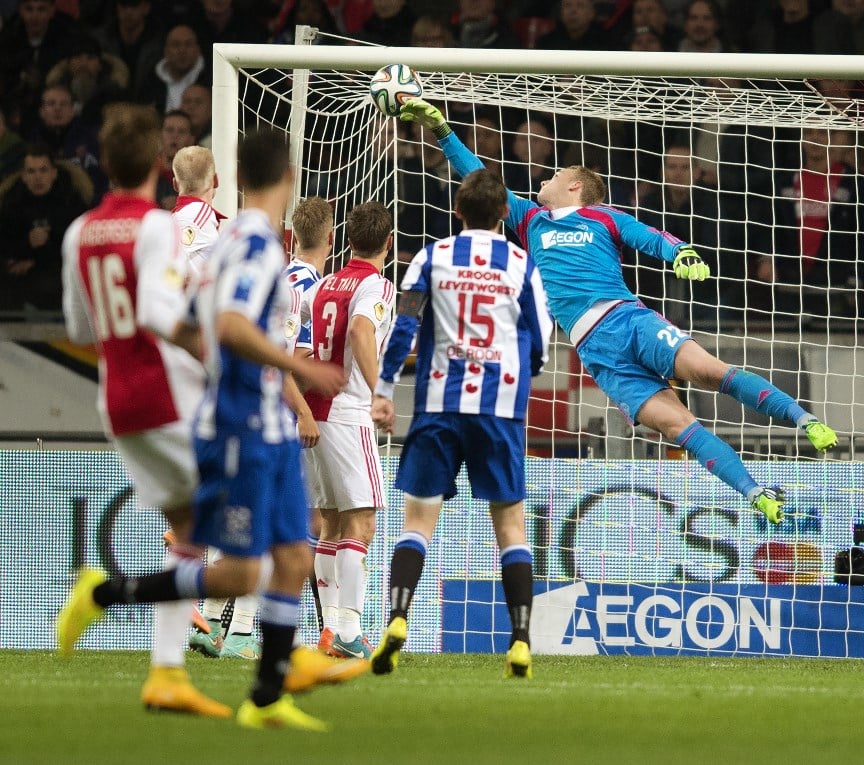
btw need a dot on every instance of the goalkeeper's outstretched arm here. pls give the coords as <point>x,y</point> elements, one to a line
<point>461,158</point>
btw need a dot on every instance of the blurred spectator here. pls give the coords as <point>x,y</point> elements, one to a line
<point>644,39</point>
<point>68,136</point>
<point>840,29</point>
<point>702,27</point>
<point>11,149</point>
<point>531,159</point>
<point>653,14</point>
<point>176,135</point>
<point>93,77</point>
<point>478,24</point>
<point>676,204</point>
<point>390,23</point>
<point>181,65</point>
<point>772,26</point>
<point>36,208</point>
<point>294,13</point>
<point>577,29</point>
<point>197,104</point>
<point>483,137</point>
<point>220,21</point>
<point>33,41</point>
<point>132,33</point>
<point>817,231</point>
<point>431,32</point>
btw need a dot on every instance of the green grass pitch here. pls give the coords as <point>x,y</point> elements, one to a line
<point>448,709</point>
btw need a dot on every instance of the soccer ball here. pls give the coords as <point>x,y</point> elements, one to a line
<point>392,85</point>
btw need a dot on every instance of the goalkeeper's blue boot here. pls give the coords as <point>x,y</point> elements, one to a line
<point>241,647</point>
<point>208,644</point>
<point>821,436</point>
<point>386,656</point>
<point>279,714</point>
<point>769,502</point>
<point>518,661</point>
<point>80,610</point>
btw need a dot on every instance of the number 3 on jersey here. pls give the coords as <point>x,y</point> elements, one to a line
<point>328,316</point>
<point>672,335</point>
<point>113,309</point>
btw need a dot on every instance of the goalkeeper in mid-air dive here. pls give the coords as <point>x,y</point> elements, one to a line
<point>631,351</point>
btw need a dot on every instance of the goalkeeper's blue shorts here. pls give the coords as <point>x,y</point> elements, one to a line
<point>492,448</point>
<point>631,355</point>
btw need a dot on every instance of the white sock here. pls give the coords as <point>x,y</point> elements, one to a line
<point>213,608</point>
<point>170,626</point>
<point>352,575</point>
<point>328,591</point>
<point>244,614</point>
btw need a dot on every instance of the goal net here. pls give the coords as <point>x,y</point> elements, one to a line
<point>637,548</point>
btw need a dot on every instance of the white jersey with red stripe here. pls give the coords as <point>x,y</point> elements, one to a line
<point>123,277</point>
<point>359,289</point>
<point>199,228</point>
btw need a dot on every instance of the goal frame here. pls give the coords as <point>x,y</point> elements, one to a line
<point>229,58</point>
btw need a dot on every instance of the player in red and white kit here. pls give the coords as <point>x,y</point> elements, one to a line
<point>351,314</point>
<point>123,278</point>
<point>196,181</point>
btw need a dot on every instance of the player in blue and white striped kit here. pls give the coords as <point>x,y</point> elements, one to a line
<point>630,351</point>
<point>484,331</point>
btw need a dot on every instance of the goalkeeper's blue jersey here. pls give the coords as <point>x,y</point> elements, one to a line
<point>577,250</point>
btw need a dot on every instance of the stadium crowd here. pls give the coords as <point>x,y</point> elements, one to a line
<point>62,61</point>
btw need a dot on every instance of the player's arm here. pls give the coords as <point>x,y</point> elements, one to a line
<point>238,334</point>
<point>364,348</point>
<point>78,326</point>
<point>307,428</point>
<point>460,157</point>
<point>686,262</point>
<point>535,312</point>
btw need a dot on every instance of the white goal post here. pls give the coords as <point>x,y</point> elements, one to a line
<point>640,550</point>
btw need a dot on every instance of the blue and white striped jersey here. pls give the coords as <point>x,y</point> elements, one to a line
<point>301,276</point>
<point>243,275</point>
<point>578,250</point>
<point>485,327</point>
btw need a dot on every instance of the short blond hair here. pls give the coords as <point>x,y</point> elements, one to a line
<point>194,169</point>
<point>593,186</point>
<point>312,222</point>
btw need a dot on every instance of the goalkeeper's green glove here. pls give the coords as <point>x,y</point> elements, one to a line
<point>428,116</point>
<point>689,265</point>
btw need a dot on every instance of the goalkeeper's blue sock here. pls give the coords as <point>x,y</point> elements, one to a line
<point>755,392</point>
<point>409,554</point>
<point>517,579</point>
<point>718,458</point>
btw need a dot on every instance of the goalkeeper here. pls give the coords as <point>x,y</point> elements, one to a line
<point>631,351</point>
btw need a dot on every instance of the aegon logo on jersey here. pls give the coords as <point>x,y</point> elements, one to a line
<point>575,238</point>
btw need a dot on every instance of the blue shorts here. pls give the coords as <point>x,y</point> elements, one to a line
<point>251,495</point>
<point>492,448</point>
<point>631,355</point>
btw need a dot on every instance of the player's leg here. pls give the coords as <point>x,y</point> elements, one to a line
<point>239,642</point>
<point>694,364</point>
<point>314,536</point>
<point>431,459</point>
<point>210,643</point>
<point>325,575</point>
<point>494,450</point>
<point>406,566</point>
<point>357,529</point>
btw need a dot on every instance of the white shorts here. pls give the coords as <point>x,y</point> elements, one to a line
<point>344,469</point>
<point>161,463</point>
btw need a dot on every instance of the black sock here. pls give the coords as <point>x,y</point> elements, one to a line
<point>277,641</point>
<point>518,592</point>
<point>313,585</point>
<point>405,569</point>
<point>152,588</point>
